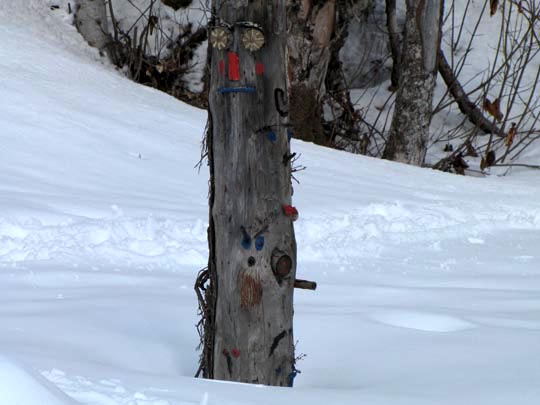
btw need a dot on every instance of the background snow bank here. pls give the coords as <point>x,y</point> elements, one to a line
<point>429,283</point>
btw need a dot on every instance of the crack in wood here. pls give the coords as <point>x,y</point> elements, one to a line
<point>276,341</point>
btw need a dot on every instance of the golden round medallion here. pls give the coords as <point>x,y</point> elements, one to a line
<point>220,38</point>
<point>253,39</point>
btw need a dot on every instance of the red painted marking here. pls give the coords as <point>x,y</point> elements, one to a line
<point>234,67</point>
<point>221,66</point>
<point>290,212</point>
<point>259,68</point>
<point>235,353</point>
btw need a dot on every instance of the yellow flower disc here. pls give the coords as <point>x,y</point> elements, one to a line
<point>253,39</point>
<point>220,38</point>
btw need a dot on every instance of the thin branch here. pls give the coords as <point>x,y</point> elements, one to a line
<point>466,106</point>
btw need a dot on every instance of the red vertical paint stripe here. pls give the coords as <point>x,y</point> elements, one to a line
<point>259,68</point>
<point>234,66</point>
<point>221,66</point>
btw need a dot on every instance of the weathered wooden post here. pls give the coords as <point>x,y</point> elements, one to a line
<point>252,263</point>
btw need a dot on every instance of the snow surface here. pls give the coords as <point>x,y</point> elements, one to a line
<point>429,283</point>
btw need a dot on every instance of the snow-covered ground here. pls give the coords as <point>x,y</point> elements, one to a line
<point>429,283</point>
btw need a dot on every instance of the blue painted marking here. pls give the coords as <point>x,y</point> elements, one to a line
<point>236,90</point>
<point>291,377</point>
<point>259,242</point>
<point>246,242</point>
<point>271,136</point>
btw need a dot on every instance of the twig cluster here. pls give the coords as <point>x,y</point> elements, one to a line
<point>504,106</point>
<point>155,56</point>
<point>500,105</point>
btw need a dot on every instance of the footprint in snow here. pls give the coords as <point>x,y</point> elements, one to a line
<point>104,392</point>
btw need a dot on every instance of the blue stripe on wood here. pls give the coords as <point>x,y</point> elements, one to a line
<point>236,90</point>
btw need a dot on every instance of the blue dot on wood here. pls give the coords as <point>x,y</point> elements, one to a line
<point>271,135</point>
<point>246,242</point>
<point>259,242</point>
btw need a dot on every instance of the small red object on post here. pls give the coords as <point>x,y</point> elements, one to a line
<point>290,212</point>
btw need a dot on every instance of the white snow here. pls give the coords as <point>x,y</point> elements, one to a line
<point>23,386</point>
<point>429,283</point>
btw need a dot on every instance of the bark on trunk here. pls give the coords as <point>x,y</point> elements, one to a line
<point>252,261</point>
<point>91,21</point>
<point>317,32</point>
<point>310,30</point>
<point>342,122</point>
<point>394,37</point>
<point>409,131</point>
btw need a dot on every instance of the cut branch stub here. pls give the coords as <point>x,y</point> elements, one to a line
<point>305,284</point>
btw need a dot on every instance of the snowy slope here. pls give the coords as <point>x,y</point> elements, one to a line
<point>429,283</point>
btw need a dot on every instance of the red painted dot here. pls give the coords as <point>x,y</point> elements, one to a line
<point>259,68</point>
<point>235,353</point>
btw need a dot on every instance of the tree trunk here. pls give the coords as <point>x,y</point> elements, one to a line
<point>341,121</point>
<point>409,131</point>
<point>394,37</point>
<point>252,259</point>
<point>91,21</point>
<point>367,44</point>
<point>310,29</point>
<point>316,34</point>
